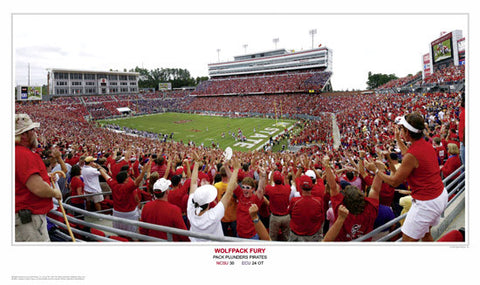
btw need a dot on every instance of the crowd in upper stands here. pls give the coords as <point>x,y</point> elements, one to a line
<point>448,75</point>
<point>400,81</point>
<point>451,74</point>
<point>289,82</point>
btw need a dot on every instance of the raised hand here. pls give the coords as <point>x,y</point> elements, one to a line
<point>343,212</point>
<point>380,165</point>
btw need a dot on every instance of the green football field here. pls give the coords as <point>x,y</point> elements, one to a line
<point>207,129</point>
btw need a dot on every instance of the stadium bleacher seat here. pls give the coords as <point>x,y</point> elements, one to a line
<point>453,236</point>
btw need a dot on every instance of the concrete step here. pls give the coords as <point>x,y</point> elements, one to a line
<point>453,219</point>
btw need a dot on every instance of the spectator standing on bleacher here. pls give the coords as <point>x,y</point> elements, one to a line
<point>453,162</point>
<point>161,212</point>
<point>248,193</point>
<point>33,194</point>
<point>307,213</point>
<point>91,179</point>
<point>77,187</point>
<point>59,164</point>
<point>440,150</point>
<point>279,197</point>
<point>103,183</point>
<point>229,220</point>
<point>362,210</point>
<point>420,168</point>
<point>178,195</point>
<point>125,200</point>
<point>120,161</point>
<point>204,219</point>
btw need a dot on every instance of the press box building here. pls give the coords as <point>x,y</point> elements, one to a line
<point>71,82</point>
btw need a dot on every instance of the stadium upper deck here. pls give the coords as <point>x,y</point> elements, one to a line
<point>273,61</point>
<point>271,72</point>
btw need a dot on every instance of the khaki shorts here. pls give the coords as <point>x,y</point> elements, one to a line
<point>278,223</point>
<point>315,237</point>
<point>36,230</point>
<point>95,199</point>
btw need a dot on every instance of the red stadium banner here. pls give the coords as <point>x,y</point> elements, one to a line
<point>426,65</point>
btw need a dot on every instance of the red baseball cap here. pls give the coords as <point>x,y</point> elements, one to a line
<point>277,177</point>
<point>306,182</point>
<point>179,171</point>
<point>202,175</point>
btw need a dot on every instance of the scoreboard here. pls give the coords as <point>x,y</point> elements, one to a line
<point>164,86</point>
<point>29,93</point>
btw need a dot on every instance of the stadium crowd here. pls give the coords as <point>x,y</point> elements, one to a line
<point>400,81</point>
<point>367,131</point>
<point>288,82</point>
<point>447,75</point>
<point>451,74</point>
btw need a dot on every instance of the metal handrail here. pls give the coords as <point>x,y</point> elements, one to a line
<point>381,228</point>
<point>105,228</point>
<point>86,195</point>
<point>67,237</point>
<point>168,230</point>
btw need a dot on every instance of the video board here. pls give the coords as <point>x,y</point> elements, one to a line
<point>29,93</point>
<point>163,86</point>
<point>442,48</point>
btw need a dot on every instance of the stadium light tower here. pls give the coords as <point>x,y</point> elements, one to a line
<point>218,54</point>
<point>245,48</point>
<point>313,33</point>
<point>275,41</point>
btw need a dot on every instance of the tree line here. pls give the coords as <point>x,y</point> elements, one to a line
<point>178,77</point>
<point>378,79</point>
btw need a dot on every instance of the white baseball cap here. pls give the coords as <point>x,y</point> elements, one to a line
<point>310,174</point>
<point>204,195</point>
<point>162,185</point>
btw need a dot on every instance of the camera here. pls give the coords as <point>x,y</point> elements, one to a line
<point>25,216</point>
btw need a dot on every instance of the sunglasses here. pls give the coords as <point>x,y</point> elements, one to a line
<point>246,187</point>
